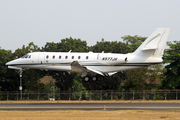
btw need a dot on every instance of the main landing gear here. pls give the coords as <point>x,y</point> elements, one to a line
<point>93,78</point>
<point>86,79</point>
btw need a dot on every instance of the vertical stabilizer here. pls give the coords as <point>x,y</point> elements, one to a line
<point>154,44</point>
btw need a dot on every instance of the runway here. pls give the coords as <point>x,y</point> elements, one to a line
<point>89,106</point>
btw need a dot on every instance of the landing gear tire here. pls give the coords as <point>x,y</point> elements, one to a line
<point>94,78</point>
<point>86,79</point>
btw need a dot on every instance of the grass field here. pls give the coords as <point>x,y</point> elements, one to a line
<point>90,115</point>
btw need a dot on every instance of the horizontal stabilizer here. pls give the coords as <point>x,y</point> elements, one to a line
<point>150,48</point>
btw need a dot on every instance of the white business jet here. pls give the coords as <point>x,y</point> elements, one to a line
<point>150,52</point>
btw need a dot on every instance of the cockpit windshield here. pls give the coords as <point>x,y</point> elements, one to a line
<point>26,56</point>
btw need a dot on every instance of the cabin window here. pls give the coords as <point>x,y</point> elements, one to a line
<point>60,57</point>
<point>87,57</point>
<point>53,56</point>
<point>47,56</point>
<point>79,57</point>
<point>72,57</point>
<point>29,56</point>
<point>66,57</point>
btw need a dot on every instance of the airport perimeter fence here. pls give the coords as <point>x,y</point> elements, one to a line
<point>92,95</point>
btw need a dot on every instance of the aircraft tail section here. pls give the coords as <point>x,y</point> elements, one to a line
<point>154,45</point>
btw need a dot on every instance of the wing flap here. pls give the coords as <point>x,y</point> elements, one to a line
<point>112,73</point>
<point>76,67</point>
<point>95,71</point>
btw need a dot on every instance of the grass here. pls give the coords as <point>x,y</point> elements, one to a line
<point>90,115</point>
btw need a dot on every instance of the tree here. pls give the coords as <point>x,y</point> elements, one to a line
<point>146,78</point>
<point>64,80</point>
<point>133,41</point>
<point>112,47</point>
<point>172,74</point>
<point>135,79</point>
<point>31,79</point>
<point>76,45</point>
<point>50,47</point>
<point>8,78</point>
<point>24,50</point>
<point>77,83</point>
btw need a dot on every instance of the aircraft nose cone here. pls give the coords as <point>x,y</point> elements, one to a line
<point>7,63</point>
<point>10,63</point>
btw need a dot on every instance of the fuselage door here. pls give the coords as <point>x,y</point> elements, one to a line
<point>98,56</point>
<point>41,58</point>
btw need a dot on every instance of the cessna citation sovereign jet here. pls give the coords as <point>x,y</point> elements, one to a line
<point>150,52</point>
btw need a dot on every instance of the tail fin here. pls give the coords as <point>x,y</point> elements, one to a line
<point>155,43</point>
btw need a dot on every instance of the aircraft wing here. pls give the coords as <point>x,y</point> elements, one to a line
<point>95,71</point>
<point>76,67</point>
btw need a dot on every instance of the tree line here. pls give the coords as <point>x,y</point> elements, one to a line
<point>149,78</point>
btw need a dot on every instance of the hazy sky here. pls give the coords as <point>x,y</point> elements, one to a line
<point>41,21</point>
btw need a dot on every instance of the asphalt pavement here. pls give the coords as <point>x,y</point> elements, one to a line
<point>89,106</point>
